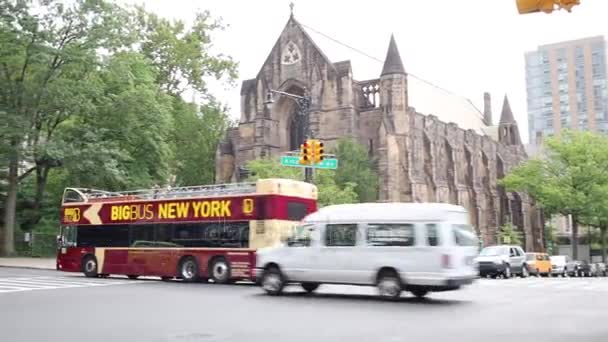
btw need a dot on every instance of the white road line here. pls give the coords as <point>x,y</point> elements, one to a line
<point>20,284</point>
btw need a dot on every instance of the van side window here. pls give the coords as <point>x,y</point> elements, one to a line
<point>390,234</point>
<point>341,235</point>
<point>432,237</point>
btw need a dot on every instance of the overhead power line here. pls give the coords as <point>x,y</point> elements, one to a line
<point>378,60</point>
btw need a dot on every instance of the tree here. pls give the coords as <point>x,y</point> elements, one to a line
<point>196,135</point>
<point>356,167</point>
<point>47,50</point>
<point>509,235</point>
<point>328,191</point>
<point>568,180</point>
<point>89,90</point>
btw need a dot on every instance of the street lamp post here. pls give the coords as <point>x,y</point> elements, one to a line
<point>303,103</point>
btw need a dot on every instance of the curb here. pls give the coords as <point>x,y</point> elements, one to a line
<point>29,267</point>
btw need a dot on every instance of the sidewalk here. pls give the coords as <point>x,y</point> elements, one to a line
<point>37,263</point>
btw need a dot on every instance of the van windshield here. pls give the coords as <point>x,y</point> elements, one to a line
<point>300,236</point>
<point>530,256</point>
<point>464,235</point>
<point>494,251</point>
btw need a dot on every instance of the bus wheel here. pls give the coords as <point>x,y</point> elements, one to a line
<point>188,269</point>
<point>89,266</point>
<point>220,271</point>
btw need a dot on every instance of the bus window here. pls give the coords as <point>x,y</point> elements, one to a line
<point>103,236</point>
<point>142,234</point>
<point>296,210</point>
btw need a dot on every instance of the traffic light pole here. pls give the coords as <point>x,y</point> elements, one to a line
<point>304,116</point>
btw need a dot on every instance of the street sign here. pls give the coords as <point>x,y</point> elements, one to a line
<point>329,163</point>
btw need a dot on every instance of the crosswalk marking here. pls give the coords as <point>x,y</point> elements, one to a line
<point>19,284</point>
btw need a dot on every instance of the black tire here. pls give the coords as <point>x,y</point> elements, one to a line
<point>220,271</point>
<point>189,270</point>
<point>389,285</point>
<point>525,273</point>
<point>166,278</point>
<point>273,281</point>
<point>419,292</point>
<point>89,266</point>
<point>507,273</point>
<point>133,276</point>
<point>310,287</point>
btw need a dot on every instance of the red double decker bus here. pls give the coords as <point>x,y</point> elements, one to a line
<point>192,233</point>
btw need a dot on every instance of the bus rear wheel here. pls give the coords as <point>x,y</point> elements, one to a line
<point>89,266</point>
<point>220,271</point>
<point>188,270</point>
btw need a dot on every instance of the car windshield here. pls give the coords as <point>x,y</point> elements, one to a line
<point>493,251</point>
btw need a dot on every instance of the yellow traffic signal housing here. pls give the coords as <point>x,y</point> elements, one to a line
<point>547,6</point>
<point>306,153</point>
<point>318,153</point>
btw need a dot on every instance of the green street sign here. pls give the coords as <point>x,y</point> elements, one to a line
<point>329,163</point>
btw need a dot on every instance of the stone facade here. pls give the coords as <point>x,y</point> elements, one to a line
<point>419,157</point>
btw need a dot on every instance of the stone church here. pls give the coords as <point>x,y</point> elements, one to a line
<point>428,145</point>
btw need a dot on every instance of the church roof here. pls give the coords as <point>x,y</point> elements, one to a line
<point>392,63</point>
<point>506,117</point>
<point>425,97</point>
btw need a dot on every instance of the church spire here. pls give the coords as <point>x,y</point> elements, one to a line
<point>392,63</point>
<point>506,117</point>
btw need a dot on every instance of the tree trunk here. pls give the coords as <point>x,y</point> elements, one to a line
<point>603,241</point>
<point>10,207</point>
<point>574,238</point>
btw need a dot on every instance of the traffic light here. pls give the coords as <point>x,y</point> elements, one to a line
<point>547,6</point>
<point>317,152</point>
<point>305,153</point>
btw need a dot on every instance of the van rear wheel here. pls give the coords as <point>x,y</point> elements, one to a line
<point>419,292</point>
<point>310,287</point>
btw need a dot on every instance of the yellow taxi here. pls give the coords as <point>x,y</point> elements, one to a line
<point>538,264</point>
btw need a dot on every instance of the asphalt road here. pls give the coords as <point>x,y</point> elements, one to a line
<point>51,306</point>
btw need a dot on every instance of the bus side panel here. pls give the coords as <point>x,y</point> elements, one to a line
<point>115,261</point>
<point>241,264</point>
<point>69,259</point>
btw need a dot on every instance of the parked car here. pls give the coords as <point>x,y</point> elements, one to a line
<point>416,247</point>
<point>502,260</point>
<point>538,264</point>
<point>559,265</point>
<point>601,269</point>
<point>573,268</point>
<point>586,269</point>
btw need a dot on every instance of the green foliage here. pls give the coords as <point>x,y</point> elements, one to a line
<point>509,235</point>
<point>356,168</point>
<point>90,98</point>
<point>328,190</point>
<point>571,179</point>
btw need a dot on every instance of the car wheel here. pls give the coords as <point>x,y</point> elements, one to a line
<point>419,292</point>
<point>507,272</point>
<point>89,266</point>
<point>310,287</point>
<point>273,281</point>
<point>389,285</point>
<point>220,271</point>
<point>188,270</point>
<point>524,271</point>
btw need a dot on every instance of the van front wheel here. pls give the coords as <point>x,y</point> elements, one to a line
<point>419,292</point>
<point>389,285</point>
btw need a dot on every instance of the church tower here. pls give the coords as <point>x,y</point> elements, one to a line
<point>508,132</point>
<point>393,89</point>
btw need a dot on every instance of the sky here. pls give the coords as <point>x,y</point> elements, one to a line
<point>467,47</point>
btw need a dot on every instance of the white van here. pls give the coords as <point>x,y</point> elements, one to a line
<point>417,247</point>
